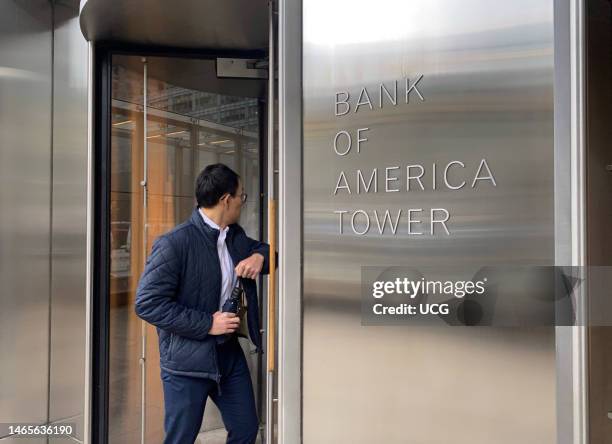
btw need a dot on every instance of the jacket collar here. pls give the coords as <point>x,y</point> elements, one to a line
<point>209,232</point>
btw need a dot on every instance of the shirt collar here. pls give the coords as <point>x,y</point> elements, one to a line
<point>212,223</point>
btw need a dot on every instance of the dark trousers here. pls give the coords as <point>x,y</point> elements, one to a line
<point>185,398</point>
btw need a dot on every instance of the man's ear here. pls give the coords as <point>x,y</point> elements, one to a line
<point>224,198</point>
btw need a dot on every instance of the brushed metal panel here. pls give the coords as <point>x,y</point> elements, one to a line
<point>67,353</point>
<point>488,89</point>
<point>25,138</point>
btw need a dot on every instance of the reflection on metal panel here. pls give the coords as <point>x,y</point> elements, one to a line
<point>25,138</point>
<point>487,91</point>
<point>236,25</point>
<point>67,352</point>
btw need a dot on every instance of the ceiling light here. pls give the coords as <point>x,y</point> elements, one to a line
<point>122,123</point>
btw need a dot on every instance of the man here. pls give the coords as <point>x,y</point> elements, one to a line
<point>189,275</point>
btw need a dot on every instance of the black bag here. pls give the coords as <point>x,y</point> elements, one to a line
<point>237,303</point>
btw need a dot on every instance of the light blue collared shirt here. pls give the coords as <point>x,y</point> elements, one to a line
<point>228,275</point>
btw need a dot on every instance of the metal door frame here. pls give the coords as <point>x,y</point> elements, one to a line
<point>98,218</point>
<point>290,221</point>
<point>570,227</point>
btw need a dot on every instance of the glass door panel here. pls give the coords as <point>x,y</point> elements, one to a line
<point>186,129</point>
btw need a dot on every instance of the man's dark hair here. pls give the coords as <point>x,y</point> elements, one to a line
<point>213,182</point>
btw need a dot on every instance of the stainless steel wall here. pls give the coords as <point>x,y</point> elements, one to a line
<point>25,186</point>
<point>43,107</point>
<point>488,88</point>
<point>69,199</point>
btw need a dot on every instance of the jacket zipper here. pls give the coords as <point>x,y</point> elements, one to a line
<point>217,302</point>
<point>216,256</point>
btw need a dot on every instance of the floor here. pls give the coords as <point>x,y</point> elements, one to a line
<point>217,436</point>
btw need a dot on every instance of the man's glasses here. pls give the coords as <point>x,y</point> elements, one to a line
<point>243,197</point>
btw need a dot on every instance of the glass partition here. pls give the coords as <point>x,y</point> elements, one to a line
<point>187,128</point>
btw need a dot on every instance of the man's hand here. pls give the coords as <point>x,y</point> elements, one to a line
<point>224,322</point>
<point>250,267</point>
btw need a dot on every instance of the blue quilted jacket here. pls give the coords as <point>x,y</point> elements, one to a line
<point>179,290</point>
